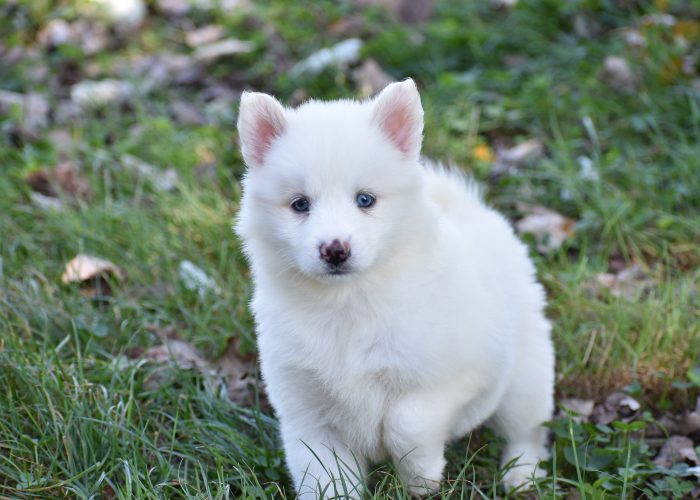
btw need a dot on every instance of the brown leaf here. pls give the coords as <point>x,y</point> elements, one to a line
<point>32,108</point>
<point>508,159</point>
<point>617,406</point>
<point>188,113</point>
<point>232,372</point>
<point>618,74</point>
<point>206,34</point>
<point>549,228</point>
<point>62,142</point>
<point>677,449</point>
<point>211,52</point>
<point>371,78</point>
<point>162,180</point>
<point>582,408</point>
<point>627,283</point>
<point>84,268</point>
<point>65,180</point>
<point>98,93</point>
<point>238,373</point>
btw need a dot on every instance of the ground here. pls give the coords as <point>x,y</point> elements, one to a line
<point>581,119</point>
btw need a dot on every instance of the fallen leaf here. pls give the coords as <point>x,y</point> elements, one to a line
<point>211,52</point>
<point>412,12</point>
<point>233,373</point>
<point>482,152</point>
<point>95,94</point>
<point>173,7</point>
<point>582,408</point>
<point>32,110</point>
<point>162,180</point>
<point>684,423</point>
<point>371,78</point>
<point>63,181</point>
<point>62,142</point>
<point>617,406</point>
<point>345,52</point>
<point>618,74</point>
<point>195,279</point>
<point>46,202</point>
<point>126,14</point>
<point>188,113</point>
<point>238,374</point>
<point>633,38</point>
<point>55,33</point>
<point>508,159</point>
<point>204,35</point>
<point>176,350</point>
<point>628,282</point>
<point>84,268</point>
<point>549,228</point>
<point>677,449</point>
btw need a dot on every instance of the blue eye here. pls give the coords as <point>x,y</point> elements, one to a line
<point>365,200</point>
<point>301,205</point>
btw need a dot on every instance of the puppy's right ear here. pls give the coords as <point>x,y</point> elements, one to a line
<point>260,121</point>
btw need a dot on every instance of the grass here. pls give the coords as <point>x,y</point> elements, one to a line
<point>79,416</point>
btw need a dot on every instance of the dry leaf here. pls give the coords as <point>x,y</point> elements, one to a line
<point>238,374</point>
<point>685,423</point>
<point>86,267</point>
<point>65,180</point>
<point>232,372</point>
<point>206,34</point>
<point>62,142</point>
<point>165,180</point>
<point>188,113</point>
<point>677,449</point>
<point>123,13</point>
<point>508,159</point>
<point>371,78</point>
<point>95,94</point>
<point>618,74</point>
<point>195,279</point>
<point>583,408</point>
<point>345,52</point>
<point>173,7</point>
<point>32,108</point>
<point>617,406</point>
<point>549,228</point>
<point>212,51</point>
<point>627,283</point>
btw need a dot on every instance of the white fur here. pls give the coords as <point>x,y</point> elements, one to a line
<point>438,326</point>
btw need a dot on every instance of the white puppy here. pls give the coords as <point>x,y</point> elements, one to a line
<point>394,310</point>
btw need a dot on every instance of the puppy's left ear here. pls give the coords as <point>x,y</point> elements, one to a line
<point>261,120</point>
<point>399,114</point>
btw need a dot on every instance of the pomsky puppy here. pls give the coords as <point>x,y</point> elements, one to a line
<point>395,311</point>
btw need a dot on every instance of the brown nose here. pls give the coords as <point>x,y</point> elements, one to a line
<point>336,253</point>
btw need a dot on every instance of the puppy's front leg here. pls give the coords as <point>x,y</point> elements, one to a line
<point>415,431</point>
<point>320,464</point>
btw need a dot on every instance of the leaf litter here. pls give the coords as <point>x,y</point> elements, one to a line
<point>232,373</point>
<point>93,274</point>
<point>550,228</point>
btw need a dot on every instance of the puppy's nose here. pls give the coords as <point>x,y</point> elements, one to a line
<point>336,253</point>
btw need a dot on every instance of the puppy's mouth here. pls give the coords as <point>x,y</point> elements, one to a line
<point>338,271</point>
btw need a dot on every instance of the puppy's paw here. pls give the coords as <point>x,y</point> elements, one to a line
<point>421,487</point>
<point>521,476</point>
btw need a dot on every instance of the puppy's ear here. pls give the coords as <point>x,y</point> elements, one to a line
<point>260,121</point>
<point>399,114</point>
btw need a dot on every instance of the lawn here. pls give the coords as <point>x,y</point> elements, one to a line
<point>581,119</point>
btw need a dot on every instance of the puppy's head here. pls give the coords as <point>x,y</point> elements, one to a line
<point>331,186</point>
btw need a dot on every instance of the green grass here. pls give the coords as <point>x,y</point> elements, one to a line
<point>80,417</point>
